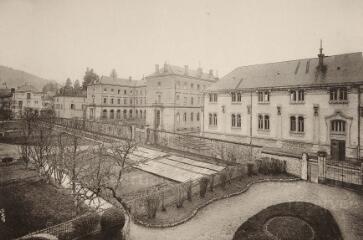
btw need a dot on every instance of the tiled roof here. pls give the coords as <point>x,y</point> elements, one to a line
<point>172,69</point>
<point>343,68</point>
<point>27,88</point>
<point>121,81</point>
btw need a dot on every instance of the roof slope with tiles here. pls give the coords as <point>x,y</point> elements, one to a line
<point>172,69</point>
<point>344,68</point>
<point>121,82</point>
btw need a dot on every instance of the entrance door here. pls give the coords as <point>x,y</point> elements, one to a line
<point>337,150</point>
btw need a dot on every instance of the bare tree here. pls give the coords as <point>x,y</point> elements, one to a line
<point>28,121</point>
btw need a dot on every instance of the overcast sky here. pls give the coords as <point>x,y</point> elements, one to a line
<point>57,39</point>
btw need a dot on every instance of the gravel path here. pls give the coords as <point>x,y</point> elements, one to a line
<point>221,219</point>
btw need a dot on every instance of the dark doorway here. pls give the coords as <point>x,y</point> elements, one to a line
<point>337,150</point>
<point>157,119</point>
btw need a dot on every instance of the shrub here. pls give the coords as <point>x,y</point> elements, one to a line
<point>271,166</point>
<point>112,221</point>
<point>250,169</point>
<point>203,184</point>
<point>223,179</point>
<point>152,204</point>
<point>211,185</point>
<point>86,224</point>
<point>189,191</point>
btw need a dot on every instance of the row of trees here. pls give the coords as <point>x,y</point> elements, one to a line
<point>59,156</point>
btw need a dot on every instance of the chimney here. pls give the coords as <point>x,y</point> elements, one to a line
<point>321,57</point>
<point>186,69</point>
<point>211,72</point>
<point>157,68</point>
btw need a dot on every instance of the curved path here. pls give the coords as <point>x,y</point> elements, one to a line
<point>221,219</point>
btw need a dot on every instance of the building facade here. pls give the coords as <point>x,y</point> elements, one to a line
<point>292,107</point>
<point>27,96</point>
<point>115,99</point>
<point>70,106</point>
<point>175,99</point>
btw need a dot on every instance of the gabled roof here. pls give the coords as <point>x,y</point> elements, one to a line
<point>121,81</point>
<point>172,69</point>
<point>343,68</point>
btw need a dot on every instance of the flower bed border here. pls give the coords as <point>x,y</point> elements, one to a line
<point>148,225</point>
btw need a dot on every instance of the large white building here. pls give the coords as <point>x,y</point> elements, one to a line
<point>291,107</point>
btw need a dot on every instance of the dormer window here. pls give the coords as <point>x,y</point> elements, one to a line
<point>263,96</point>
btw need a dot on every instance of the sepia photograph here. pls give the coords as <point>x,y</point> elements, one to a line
<point>181,120</point>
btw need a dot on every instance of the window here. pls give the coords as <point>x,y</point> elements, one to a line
<point>125,92</point>
<point>141,114</point>
<point>191,85</point>
<point>159,98</point>
<point>198,116</point>
<point>191,117</point>
<point>177,98</point>
<point>28,95</point>
<point>191,100</point>
<point>130,101</point>
<point>239,124</point>
<point>73,106</point>
<point>213,97</point>
<point>105,89</point>
<point>130,113</point>
<point>239,97</point>
<point>263,96</point>
<point>144,113</point>
<point>338,126</point>
<point>263,122</point>
<point>185,117</point>
<point>292,123</point>
<point>112,114</point>
<point>118,101</point>
<point>236,97</point>
<point>125,114</point>
<point>233,95</point>
<point>198,86</point>
<point>137,113</point>
<point>104,100</point>
<point>297,96</point>
<point>111,89</point>
<point>297,124</point>
<point>118,114</point>
<point>159,84</point>
<point>125,101</point>
<point>111,100</point>
<point>118,91</point>
<point>215,119</point>
<point>104,114</point>
<point>233,120</point>
<point>185,100</point>
<point>338,95</point>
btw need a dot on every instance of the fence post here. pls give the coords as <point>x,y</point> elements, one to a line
<point>321,166</point>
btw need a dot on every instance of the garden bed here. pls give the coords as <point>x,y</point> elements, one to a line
<point>290,220</point>
<point>174,216</point>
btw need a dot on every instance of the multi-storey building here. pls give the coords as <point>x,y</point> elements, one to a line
<point>115,99</point>
<point>295,106</point>
<point>174,97</point>
<point>27,96</point>
<point>70,106</point>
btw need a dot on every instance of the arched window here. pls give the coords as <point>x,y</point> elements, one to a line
<point>239,124</point>
<point>239,97</point>
<point>191,117</point>
<point>125,114</point>
<point>233,118</point>
<point>260,121</point>
<point>338,126</point>
<point>130,113</point>
<point>185,117</point>
<point>141,114</point>
<point>301,124</point>
<point>104,114</point>
<point>210,119</point>
<point>118,114</point>
<point>198,116</point>
<point>267,122</point>
<point>292,123</point>
<point>233,95</point>
<point>137,113</point>
<point>215,119</point>
<point>112,114</point>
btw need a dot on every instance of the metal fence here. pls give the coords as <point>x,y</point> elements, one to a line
<point>344,174</point>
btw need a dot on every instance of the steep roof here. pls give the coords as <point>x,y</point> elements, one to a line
<point>343,68</point>
<point>121,81</point>
<point>172,69</point>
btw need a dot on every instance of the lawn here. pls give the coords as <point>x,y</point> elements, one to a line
<point>290,221</point>
<point>31,204</point>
